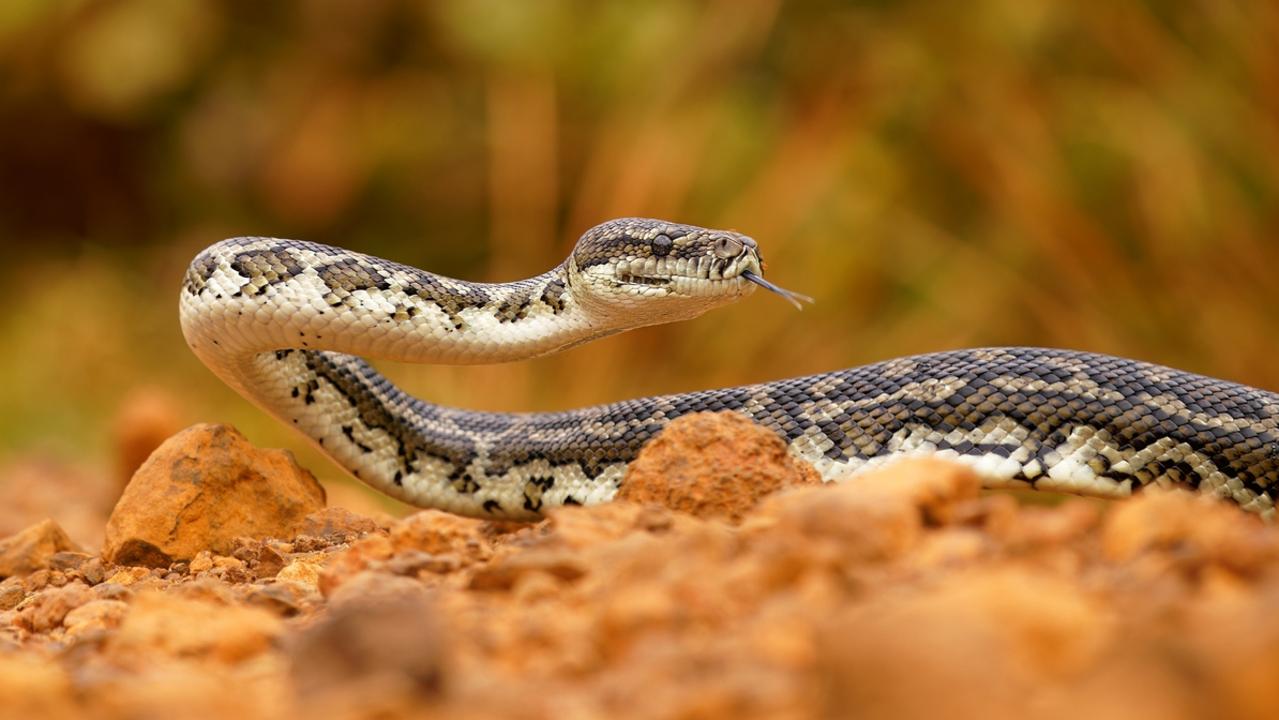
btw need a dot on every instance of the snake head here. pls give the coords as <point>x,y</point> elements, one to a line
<point>657,271</point>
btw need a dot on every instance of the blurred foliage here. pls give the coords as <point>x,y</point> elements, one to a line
<point>1096,175</point>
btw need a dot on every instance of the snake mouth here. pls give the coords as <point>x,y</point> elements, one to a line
<point>646,280</point>
<point>704,276</point>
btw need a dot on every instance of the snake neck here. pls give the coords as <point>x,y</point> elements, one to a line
<point>234,295</point>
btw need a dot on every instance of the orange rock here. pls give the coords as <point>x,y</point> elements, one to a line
<point>578,527</point>
<point>33,548</point>
<point>383,632</point>
<point>713,465</point>
<point>1235,641</point>
<point>46,609</point>
<point>1198,530</point>
<point>128,576</point>
<point>201,563</point>
<point>895,593</point>
<point>438,539</point>
<point>364,501</point>
<point>337,523</point>
<point>34,687</point>
<point>875,516</point>
<point>95,616</point>
<point>366,553</point>
<point>436,532</point>
<point>202,489</point>
<point>164,624</point>
<point>11,593</point>
<point>260,558</point>
<point>504,573</point>
<point>304,572</point>
<point>975,643</point>
<point>936,487</point>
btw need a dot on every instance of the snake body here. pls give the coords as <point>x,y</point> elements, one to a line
<point>283,322</point>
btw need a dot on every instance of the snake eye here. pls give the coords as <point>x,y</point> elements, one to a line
<point>661,245</point>
<point>728,247</point>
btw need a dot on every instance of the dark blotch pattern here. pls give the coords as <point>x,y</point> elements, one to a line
<point>859,411</point>
<point>553,295</point>
<point>265,268</point>
<point>199,273</point>
<point>345,274</point>
<point>344,277</point>
<point>1188,426</point>
<point>633,237</point>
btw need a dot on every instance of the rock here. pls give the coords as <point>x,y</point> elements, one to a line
<point>579,528</point>
<point>11,593</point>
<point>190,627</point>
<point>284,599</point>
<point>34,687</point>
<point>440,533</point>
<point>112,591</point>
<point>302,571</point>
<point>713,465</point>
<point>382,630</point>
<point>1199,530</point>
<point>38,580</point>
<point>1040,527</point>
<point>363,555</point>
<point>201,563</point>
<point>231,569</point>
<point>69,560</point>
<point>33,548</point>
<point>504,573</point>
<point>128,576</point>
<point>898,654</point>
<point>202,489</point>
<point>875,516</point>
<point>337,523</point>
<point>92,571</point>
<point>94,617</point>
<point>895,593</point>
<point>45,610</point>
<point>261,559</point>
<point>366,502</point>
<point>452,541</point>
<point>224,562</point>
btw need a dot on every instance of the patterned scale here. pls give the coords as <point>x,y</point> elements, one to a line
<point>278,320</point>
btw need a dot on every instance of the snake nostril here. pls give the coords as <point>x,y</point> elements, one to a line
<point>728,247</point>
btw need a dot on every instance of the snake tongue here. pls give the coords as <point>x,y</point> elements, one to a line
<point>792,297</point>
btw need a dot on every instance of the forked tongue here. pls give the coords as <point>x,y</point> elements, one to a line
<point>792,297</point>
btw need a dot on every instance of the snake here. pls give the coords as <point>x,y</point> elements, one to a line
<point>289,325</point>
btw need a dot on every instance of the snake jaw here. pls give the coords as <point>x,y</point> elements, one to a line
<point>707,275</point>
<point>646,280</point>
<point>635,272</point>
<point>713,277</point>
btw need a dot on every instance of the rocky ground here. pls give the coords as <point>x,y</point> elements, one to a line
<point>726,583</point>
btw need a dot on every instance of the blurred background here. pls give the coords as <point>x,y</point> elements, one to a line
<point>1095,175</point>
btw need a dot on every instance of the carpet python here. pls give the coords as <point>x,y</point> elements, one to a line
<point>283,322</point>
